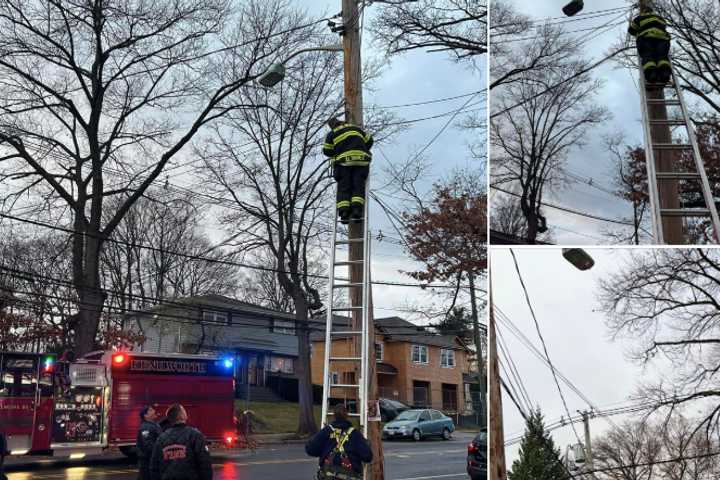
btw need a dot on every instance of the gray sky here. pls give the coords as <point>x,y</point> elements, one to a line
<point>620,95</point>
<point>410,78</point>
<point>577,339</point>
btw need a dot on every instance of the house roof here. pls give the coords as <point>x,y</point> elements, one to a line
<point>396,329</point>
<point>221,302</point>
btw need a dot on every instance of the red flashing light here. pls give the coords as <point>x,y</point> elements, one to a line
<point>119,359</point>
<point>472,448</point>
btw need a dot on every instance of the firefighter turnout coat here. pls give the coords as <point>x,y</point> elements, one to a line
<point>649,25</point>
<point>181,453</point>
<point>348,145</point>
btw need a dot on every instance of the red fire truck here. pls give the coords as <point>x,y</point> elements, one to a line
<point>82,407</point>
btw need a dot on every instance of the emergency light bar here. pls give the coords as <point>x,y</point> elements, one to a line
<point>48,364</point>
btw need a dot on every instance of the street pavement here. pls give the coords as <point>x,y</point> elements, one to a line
<point>404,460</point>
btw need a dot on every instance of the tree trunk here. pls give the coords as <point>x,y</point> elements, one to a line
<point>478,347</point>
<point>86,279</point>
<point>306,420</point>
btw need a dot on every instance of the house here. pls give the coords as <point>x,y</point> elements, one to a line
<point>262,341</point>
<point>414,366</point>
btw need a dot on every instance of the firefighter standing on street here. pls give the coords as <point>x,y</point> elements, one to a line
<point>147,436</point>
<point>653,44</point>
<point>348,147</point>
<point>340,448</point>
<point>181,452</point>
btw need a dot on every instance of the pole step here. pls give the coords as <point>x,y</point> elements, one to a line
<point>672,146</point>
<point>681,212</point>
<point>346,332</point>
<point>349,262</point>
<point>677,175</point>
<point>674,121</point>
<point>663,101</point>
<point>349,241</point>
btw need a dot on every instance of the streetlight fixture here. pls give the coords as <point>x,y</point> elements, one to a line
<point>573,7</point>
<point>578,257</point>
<point>276,72</point>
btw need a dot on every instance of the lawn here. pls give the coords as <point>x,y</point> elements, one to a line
<point>277,417</point>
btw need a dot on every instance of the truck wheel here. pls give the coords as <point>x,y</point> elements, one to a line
<point>129,451</point>
<point>446,433</point>
<point>416,435</point>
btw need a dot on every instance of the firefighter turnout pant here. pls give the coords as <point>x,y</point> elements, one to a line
<point>654,54</point>
<point>350,190</point>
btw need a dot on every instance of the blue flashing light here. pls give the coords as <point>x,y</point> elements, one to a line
<point>228,362</point>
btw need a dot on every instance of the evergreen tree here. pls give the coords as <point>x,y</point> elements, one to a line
<point>539,459</point>
<point>458,322</point>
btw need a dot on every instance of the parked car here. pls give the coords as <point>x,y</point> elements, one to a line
<point>418,424</point>
<point>477,457</point>
<point>389,409</point>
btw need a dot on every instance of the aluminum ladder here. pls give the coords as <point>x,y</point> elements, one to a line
<point>337,334</point>
<point>664,209</point>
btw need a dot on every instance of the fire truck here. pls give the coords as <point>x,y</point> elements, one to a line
<point>90,405</point>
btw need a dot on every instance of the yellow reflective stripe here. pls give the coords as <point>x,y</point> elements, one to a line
<point>356,163</point>
<point>353,153</point>
<point>328,145</point>
<point>344,125</point>
<point>346,135</point>
<point>343,203</point>
<point>649,65</point>
<point>663,63</point>
<point>367,138</point>
<point>654,18</point>
<point>655,33</point>
<point>358,200</point>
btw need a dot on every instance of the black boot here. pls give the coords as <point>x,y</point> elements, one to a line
<point>344,214</point>
<point>356,212</point>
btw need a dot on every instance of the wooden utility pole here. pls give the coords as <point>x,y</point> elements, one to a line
<point>666,160</point>
<point>354,115</point>
<point>497,436</point>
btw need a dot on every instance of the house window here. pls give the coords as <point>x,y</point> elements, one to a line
<point>447,358</point>
<point>216,317</point>
<point>379,352</point>
<point>420,354</point>
<point>286,327</point>
<point>282,365</point>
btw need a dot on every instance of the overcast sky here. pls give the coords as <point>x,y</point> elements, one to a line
<point>410,78</point>
<point>593,162</point>
<point>567,310</point>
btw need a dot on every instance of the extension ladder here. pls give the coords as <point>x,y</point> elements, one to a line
<point>669,213</point>
<point>339,332</point>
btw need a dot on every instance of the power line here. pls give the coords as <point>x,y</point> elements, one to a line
<point>567,210</point>
<point>542,340</point>
<point>210,260</point>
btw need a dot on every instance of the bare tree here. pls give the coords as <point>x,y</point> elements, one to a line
<point>93,91</point>
<point>536,128</point>
<point>628,452</point>
<point>457,26</point>
<point>518,48</point>
<point>668,301</point>
<point>160,252</point>
<point>281,187</point>
<point>696,47</point>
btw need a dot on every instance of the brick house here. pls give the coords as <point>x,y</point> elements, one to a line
<point>414,366</point>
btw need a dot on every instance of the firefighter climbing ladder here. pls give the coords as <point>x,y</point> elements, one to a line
<point>357,313</point>
<point>663,160</point>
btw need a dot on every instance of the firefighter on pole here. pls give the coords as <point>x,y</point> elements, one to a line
<point>348,147</point>
<point>653,44</point>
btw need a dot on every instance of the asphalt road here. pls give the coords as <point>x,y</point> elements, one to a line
<point>404,460</point>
